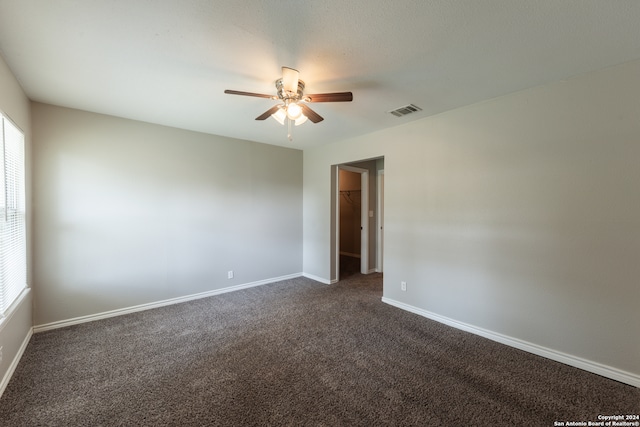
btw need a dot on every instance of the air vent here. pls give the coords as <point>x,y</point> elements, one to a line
<point>403,111</point>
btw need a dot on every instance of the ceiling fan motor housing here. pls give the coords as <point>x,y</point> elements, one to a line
<point>287,95</point>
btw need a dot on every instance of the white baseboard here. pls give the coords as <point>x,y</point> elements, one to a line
<point>149,306</point>
<point>567,359</point>
<point>318,279</point>
<point>14,362</point>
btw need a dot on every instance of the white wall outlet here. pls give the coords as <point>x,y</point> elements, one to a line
<point>230,274</point>
<point>0,354</point>
<point>403,286</point>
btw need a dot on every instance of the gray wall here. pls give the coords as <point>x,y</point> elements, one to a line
<point>15,328</point>
<point>129,213</point>
<point>519,216</point>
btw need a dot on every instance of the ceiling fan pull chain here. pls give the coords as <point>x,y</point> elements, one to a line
<point>290,133</point>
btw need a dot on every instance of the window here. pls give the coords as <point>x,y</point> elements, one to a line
<point>13,243</point>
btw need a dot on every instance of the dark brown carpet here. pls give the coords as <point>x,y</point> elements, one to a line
<point>294,353</point>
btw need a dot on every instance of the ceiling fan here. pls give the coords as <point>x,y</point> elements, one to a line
<point>293,107</point>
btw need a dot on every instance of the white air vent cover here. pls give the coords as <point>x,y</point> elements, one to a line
<point>403,111</point>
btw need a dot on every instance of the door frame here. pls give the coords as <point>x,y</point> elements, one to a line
<point>380,220</point>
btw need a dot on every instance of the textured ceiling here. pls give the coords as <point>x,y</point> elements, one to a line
<point>169,61</point>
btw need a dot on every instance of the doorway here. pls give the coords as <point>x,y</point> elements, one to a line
<point>353,206</point>
<point>353,233</point>
<point>365,228</point>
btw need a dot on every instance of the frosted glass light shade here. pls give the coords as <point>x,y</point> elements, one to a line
<point>294,111</point>
<point>280,115</point>
<point>300,120</point>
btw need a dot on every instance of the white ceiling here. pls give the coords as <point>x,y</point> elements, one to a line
<point>169,61</point>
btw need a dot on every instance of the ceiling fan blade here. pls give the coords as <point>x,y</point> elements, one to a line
<point>290,79</point>
<point>311,115</point>
<point>268,113</point>
<point>237,92</point>
<point>330,97</point>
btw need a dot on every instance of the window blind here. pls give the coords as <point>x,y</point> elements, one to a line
<point>13,247</point>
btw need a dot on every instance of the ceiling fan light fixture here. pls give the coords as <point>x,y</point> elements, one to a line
<point>294,111</point>
<point>280,115</point>
<point>301,120</point>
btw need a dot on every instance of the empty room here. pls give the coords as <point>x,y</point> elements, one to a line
<point>320,213</point>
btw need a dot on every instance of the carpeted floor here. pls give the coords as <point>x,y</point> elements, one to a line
<point>294,353</point>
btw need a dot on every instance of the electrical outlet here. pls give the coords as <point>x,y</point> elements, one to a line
<point>0,354</point>
<point>403,286</point>
<point>230,274</point>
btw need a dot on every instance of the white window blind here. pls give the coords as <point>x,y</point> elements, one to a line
<point>13,245</point>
